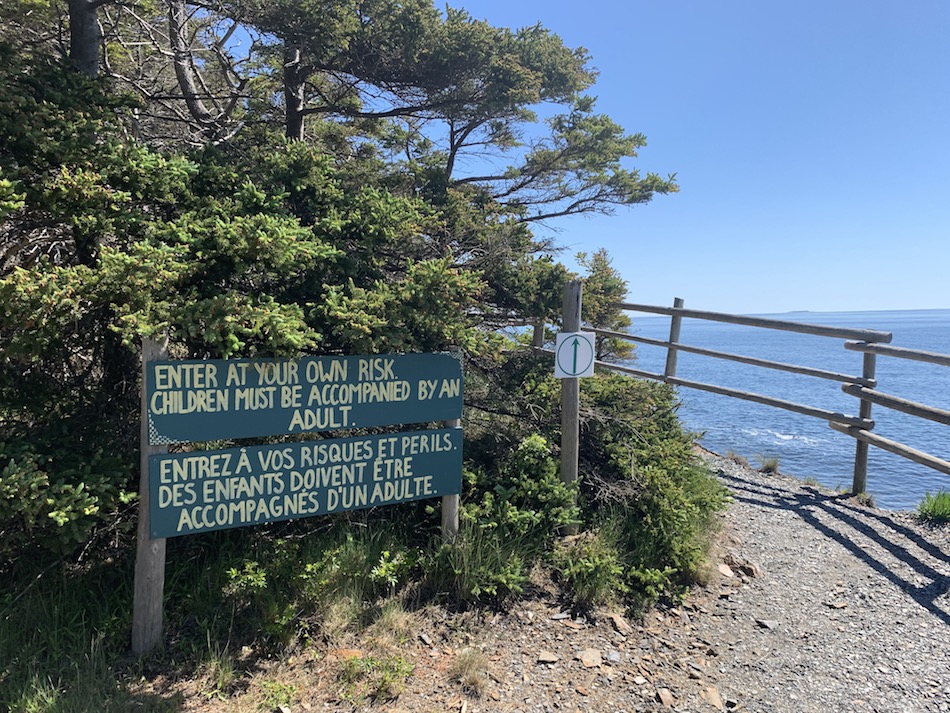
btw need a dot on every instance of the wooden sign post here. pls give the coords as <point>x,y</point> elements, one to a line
<point>149,585</point>
<point>570,392</point>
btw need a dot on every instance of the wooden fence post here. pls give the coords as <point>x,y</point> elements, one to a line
<point>570,392</point>
<point>149,586</point>
<point>860,482</point>
<point>671,352</point>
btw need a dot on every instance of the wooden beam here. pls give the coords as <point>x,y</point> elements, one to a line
<point>676,323</point>
<point>821,413</point>
<point>867,335</point>
<point>900,352</point>
<point>765,363</point>
<point>894,447</point>
<point>931,413</point>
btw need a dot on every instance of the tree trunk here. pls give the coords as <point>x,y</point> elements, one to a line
<point>293,94</point>
<point>84,36</point>
<point>184,71</point>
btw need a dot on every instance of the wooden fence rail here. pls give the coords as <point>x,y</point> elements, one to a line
<point>870,343</point>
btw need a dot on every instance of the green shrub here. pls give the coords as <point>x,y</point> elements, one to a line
<point>380,678</point>
<point>516,511</point>
<point>281,586</point>
<point>55,497</point>
<point>640,480</point>
<point>524,495</point>
<point>642,477</point>
<point>481,565</point>
<point>592,567</point>
<point>935,507</point>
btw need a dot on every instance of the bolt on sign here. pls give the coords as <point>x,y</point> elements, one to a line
<point>213,490</point>
<point>245,398</point>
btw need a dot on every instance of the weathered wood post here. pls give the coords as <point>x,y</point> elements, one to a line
<point>671,352</point>
<point>570,392</point>
<point>537,336</point>
<point>450,503</point>
<point>860,482</point>
<point>149,585</point>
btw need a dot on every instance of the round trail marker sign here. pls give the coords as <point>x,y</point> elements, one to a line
<point>574,355</point>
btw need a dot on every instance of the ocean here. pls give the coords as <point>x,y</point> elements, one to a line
<point>807,447</point>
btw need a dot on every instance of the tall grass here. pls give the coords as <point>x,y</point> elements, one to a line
<point>63,641</point>
<point>935,507</point>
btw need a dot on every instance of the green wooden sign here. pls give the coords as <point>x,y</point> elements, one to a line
<point>245,398</point>
<point>214,490</point>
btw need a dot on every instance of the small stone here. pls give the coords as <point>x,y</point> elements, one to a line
<point>425,639</point>
<point>767,623</point>
<point>665,696</point>
<point>639,680</point>
<point>749,569</point>
<point>590,658</point>
<point>573,625</point>
<point>839,604</point>
<point>548,657</point>
<point>613,656</point>
<point>712,697</point>
<point>621,625</point>
<point>283,709</point>
<point>560,615</point>
<point>726,571</point>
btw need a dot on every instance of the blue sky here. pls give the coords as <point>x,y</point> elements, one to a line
<point>811,142</point>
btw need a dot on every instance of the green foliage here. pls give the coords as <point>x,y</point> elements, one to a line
<point>768,465</point>
<point>55,497</point>
<point>525,496</point>
<point>643,477</point>
<point>275,694</point>
<point>278,589</point>
<point>514,513</point>
<point>603,288</point>
<point>61,633</point>
<point>481,565</point>
<point>592,567</point>
<point>10,200</point>
<point>935,507</point>
<point>376,678</point>
<point>642,489</point>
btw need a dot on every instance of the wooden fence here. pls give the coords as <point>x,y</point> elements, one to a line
<point>870,343</point>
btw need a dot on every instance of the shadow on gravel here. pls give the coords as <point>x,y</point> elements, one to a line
<point>807,505</point>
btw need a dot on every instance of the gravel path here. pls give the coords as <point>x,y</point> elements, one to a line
<point>815,603</point>
<point>849,611</point>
